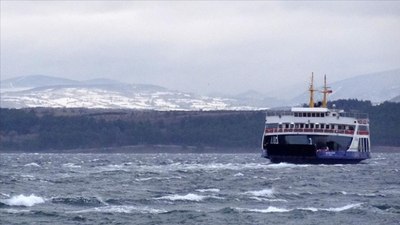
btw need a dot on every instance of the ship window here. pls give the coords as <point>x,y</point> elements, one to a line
<point>304,114</point>
<point>313,115</point>
<point>286,125</point>
<point>351,127</point>
<point>271,125</point>
<point>308,114</point>
<point>322,114</point>
<point>318,114</point>
<point>363,128</point>
<point>302,125</point>
<point>274,140</point>
<point>312,126</point>
<point>306,126</point>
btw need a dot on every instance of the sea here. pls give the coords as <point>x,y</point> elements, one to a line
<point>195,189</point>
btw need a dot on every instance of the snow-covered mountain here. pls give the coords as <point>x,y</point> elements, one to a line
<point>46,91</point>
<point>376,87</point>
<point>103,93</point>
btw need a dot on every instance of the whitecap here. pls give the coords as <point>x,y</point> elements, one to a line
<point>238,174</point>
<point>4,194</point>
<point>270,209</point>
<point>188,197</point>
<point>346,207</point>
<point>265,192</point>
<point>144,179</point>
<point>71,165</point>
<point>22,200</point>
<point>110,168</point>
<point>121,209</point>
<point>337,209</point>
<point>208,190</point>
<point>32,164</point>
<point>286,165</point>
<point>268,199</point>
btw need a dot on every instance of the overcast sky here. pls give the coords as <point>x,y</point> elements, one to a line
<point>200,46</point>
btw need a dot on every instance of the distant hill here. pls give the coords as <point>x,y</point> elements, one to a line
<point>376,87</point>
<point>33,81</point>
<point>46,91</point>
<point>395,99</point>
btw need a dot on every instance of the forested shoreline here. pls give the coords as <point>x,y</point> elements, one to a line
<point>56,129</point>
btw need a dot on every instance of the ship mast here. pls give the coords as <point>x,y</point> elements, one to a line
<point>325,91</point>
<point>311,90</point>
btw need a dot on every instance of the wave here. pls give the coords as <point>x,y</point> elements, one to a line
<point>388,208</point>
<point>269,192</point>
<point>122,209</point>
<point>71,165</point>
<point>156,178</point>
<point>195,167</point>
<point>80,201</point>
<point>208,190</point>
<point>338,209</point>
<point>111,168</point>
<point>22,200</point>
<point>32,164</point>
<point>268,199</point>
<point>188,197</point>
<point>286,165</point>
<point>272,209</point>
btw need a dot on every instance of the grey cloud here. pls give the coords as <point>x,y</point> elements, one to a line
<point>199,46</point>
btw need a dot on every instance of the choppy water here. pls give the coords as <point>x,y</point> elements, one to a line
<point>195,189</point>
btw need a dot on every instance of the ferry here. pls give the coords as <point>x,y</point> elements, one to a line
<point>316,134</point>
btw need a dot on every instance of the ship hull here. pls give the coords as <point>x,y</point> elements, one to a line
<point>308,154</point>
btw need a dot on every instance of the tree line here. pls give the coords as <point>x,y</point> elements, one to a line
<point>39,129</point>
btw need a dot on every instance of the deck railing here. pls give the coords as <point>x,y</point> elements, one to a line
<point>313,130</point>
<point>356,115</point>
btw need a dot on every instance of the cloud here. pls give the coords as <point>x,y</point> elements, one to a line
<point>199,46</point>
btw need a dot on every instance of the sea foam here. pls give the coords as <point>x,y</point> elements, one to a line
<point>262,193</point>
<point>32,164</point>
<point>208,190</point>
<point>270,209</point>
<point>22,200</point>
<point>122,209</point>
<point>188,197</point>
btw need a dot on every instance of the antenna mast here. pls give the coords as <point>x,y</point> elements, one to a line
<point>325,91</point>
<point>311,90</point>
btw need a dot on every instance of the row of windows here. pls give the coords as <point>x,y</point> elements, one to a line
<point>314,114</point>
<point>310,126</point>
